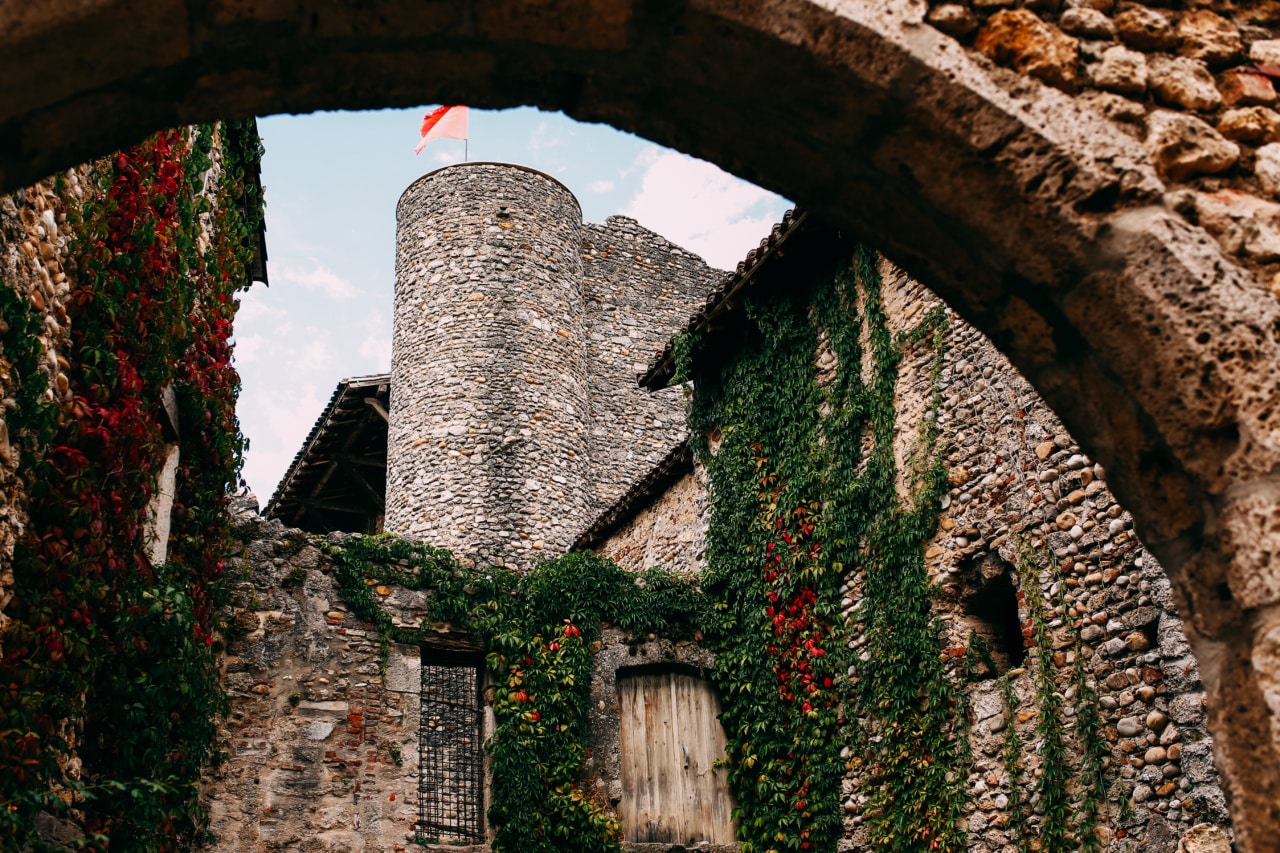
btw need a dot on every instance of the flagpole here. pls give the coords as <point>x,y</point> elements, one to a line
<point>466,147</point>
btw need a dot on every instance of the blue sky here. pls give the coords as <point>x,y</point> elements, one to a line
<point>332,181</point>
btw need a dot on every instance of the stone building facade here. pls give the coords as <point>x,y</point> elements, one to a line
<point>1016,478</point>
<point>323,742</point>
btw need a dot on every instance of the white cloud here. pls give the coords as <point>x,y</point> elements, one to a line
<point>447,157</point>
<point>311,354</point>
<point>542,138</point>
<point>600,187</point>
<point>277,421</point>
<point>318,278</point>
<point>701,207</point>
<point>375,346</point>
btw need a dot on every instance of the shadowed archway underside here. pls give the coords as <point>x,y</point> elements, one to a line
<point>1039,220</point>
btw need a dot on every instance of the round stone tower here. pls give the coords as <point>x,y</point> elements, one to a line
<point>487,450</point>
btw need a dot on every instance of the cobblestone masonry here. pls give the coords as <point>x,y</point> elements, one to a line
<point>638,289</point>
<point>518,332</point>
<point>1017,477</point>
<point>670,532</point>
<point>321,742</point>
<point>487,450</point>
<point>33,245</point>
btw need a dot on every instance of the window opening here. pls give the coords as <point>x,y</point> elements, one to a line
<point>450,762</point>
<point>991,609</point>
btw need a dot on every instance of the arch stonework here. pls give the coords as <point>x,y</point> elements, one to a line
<point>1112,244</point>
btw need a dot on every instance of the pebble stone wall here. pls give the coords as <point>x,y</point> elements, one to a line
<point>639,288</point>
<point>518,333</point>
<point>33,258</point>
<point>321,741</point>
<point>669,532</point>
<point>487,450</point>
<point>1017,477</point>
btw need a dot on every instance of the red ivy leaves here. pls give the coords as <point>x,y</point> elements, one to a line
<point>149,309</point>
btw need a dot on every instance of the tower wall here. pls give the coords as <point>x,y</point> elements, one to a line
<point>487,450</point>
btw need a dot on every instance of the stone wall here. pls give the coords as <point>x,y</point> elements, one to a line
<point>321,741</point>
<point>669,532</point>
<point>1196,82</point>
<point>487,449</point>
<point>1017,479</point>
<point>33,263</point>
<point>639,288</point>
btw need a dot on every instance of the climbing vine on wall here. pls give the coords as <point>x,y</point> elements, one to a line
<point>804,497</point>
<point>111,690</point>
<point>541,630</point>
<point>1069,796</point>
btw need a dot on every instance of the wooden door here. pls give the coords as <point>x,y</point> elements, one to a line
<point>672,792</point>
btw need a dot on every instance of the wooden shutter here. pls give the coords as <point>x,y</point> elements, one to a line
<point>670,741</point>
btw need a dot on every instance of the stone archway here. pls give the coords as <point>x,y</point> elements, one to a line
<point>1049,225</point>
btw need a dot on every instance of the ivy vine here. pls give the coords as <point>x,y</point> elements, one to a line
<point>540,631</point>
<point>1069,798</point>
<point>108,661</point>
<point>804,497</point>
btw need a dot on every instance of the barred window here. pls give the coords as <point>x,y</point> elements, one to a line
<point>450,766</point>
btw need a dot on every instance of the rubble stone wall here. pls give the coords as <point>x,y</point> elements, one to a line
<point>1195,82</point>
<point>33,258</point>
<point>321,740</point>
<point>321,743</point>
<point>639,288</point>
<point>515,415</point>
<point>669,532</point>
<point>487,449</point>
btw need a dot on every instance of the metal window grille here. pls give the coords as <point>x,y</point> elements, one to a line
<point>450,765</point>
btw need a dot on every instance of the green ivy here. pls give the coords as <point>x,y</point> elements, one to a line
<point>780,468</point>
<point>540,630</point>
<point>1071,807</point>
<point>109,660</point>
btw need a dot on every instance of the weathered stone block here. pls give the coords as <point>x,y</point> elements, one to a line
<point>1208,36</point>
<point>1184,146</point>
<point>1265,52</point>
<point>1145,29</point>
<point>1020,40</point>
<point>1087,23</point>
<point>953,19</point>
<point>1250,124</point>
<point>1241,87</point>
<point>1266,164</point>
<point>1181,82</point>
<point>1121,70</point>
<point>1206,838</point>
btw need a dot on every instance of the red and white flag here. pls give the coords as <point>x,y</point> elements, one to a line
<point>443,123</point>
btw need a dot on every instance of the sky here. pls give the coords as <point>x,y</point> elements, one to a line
<point>332,181</point>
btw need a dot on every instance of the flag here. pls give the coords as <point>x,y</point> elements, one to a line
<point>443,123</point>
